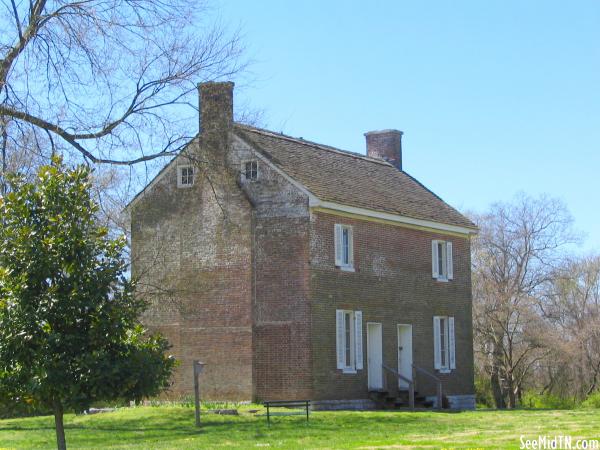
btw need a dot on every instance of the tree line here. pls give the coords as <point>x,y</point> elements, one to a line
<point>536,304</point>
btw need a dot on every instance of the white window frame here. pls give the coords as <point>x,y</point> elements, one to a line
<point>243,170</point>
<point>180,169</point>
<point>344,254</point>
<point>349,341</point>
<point>444,344</point>
<point>442,265</point>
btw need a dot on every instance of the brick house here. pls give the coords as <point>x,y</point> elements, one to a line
<point>297,270</point>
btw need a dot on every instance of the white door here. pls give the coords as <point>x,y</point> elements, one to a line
<point>405,354</point>
<point>375,356</point>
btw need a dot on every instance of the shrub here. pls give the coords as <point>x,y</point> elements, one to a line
<point>10,408</point>
<point>546,401</point>
<point>593,400</point>
<point>484,396</point>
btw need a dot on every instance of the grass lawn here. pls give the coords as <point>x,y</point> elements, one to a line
<point>173,427</point>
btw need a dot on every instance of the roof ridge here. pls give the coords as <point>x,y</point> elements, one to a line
<point>312,144</point>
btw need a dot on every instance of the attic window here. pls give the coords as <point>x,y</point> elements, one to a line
<point>251,170</point>
<point>185,176</point>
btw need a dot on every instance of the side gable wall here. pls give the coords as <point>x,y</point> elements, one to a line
<point>192,251</point>
<point>281,308</point>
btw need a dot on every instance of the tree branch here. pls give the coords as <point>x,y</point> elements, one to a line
<point>71,139</point>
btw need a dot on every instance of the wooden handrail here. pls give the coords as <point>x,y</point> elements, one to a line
<point>395,372</point>
<point>411,385</point>
<point>435,378</point>
<point>427,372</point>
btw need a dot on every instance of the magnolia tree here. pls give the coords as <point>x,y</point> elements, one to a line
<point>69,322</point>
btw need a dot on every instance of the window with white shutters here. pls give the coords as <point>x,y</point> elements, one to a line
<point>344,247</point>
<point>441,260</point>
<point>349,340</point>
<point>443,343</point>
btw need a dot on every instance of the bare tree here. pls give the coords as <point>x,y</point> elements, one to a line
<point>24,158</point>
<point>108,80</point>
<point>515,254</point>
<point>571,305</point>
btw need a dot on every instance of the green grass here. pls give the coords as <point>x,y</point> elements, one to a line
<point>173,427</point>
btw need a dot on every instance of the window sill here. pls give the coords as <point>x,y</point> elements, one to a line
<point>442,280</point>
<point>346,268</point>
<point>349,371</point>
<point>444,370</point>
<point>185,186</point>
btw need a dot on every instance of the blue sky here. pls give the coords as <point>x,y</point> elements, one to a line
<point>494,97</point>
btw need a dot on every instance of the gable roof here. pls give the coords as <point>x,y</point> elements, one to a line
<point>351,179</point>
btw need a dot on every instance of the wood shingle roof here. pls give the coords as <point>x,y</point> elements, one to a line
<point>350,178</point>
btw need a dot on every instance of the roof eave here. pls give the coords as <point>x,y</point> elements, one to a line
<point>317,204</point>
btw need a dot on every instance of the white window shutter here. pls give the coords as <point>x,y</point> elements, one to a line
<point>437,357</point>
<point>449,260</point>
<point>350,247</point>
<point>358,341</point>
<point>451,343</point>
<point>338,244</point>
<point>340,337</point>
<point>434,259</point>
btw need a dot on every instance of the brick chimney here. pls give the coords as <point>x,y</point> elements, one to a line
<point>385,145</point>
<point>216,106</point>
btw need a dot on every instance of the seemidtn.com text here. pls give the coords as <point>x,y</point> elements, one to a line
<point>558,442</point>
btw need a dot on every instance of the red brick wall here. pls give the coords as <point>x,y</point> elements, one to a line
<point>192,253</point>
<point>392,285</point>
<point>282,362</point>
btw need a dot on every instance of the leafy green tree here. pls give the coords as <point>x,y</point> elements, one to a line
<point>69,322</point>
